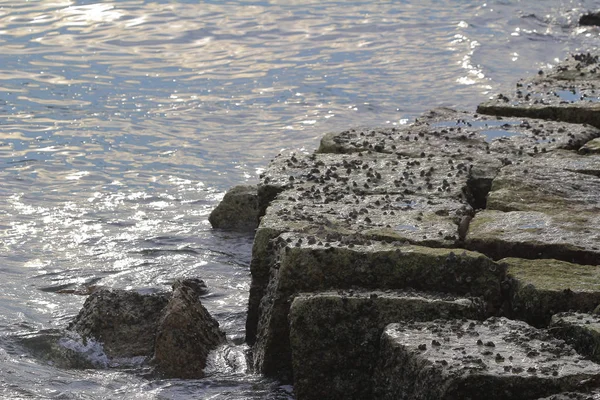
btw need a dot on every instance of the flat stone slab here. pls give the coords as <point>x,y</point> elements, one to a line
<point>306,264</point>
<point>495,359</point>
<point>572,237</point>
<point>462,135</point>
<point>540,288</point>
<point>549,185</point>
<point>366,174</point>
<point>582,163</point>
<point>580,330</point>
<point>570,93</point>
<point>334,336</point>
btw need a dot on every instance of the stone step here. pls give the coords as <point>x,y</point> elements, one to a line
<point>334,336</point>
<point>540,288</point>
<point>580,330</point>
<point>305,264</point>
<point>462,359</point>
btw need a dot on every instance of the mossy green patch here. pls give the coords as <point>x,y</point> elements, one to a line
<point>543,287</point>
<point>548,274</point>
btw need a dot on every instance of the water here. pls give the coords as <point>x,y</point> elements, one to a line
<point>123,123</point>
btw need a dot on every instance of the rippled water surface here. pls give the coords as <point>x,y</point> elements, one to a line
<point>123,123</point>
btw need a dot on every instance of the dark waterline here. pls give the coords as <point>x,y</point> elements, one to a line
<point>122,123</point>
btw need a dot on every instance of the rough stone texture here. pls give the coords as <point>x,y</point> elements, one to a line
<point>548,185</point>
<point>582,331</point>
<point>496,359</point>
<point>593,146</point>
<point>186,333</point>
<point>307,264</point>
<point>123,321</point>
<point>367,174</point>
<point>335,336</point>
<point>465,136</point>
<point>531,234</point>
<point>544,207</point>
<point>238,210</point>
<point>373,196</point>
<point>541,288</point>
<point>582,163</point>
<point>567,93</point>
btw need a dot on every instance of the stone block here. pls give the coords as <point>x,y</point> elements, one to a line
<point>580,330</point>
<point>238,210</point>
<point>548,185</point>
<point>462,359</point>
<point>541,288</point>
<point>567,236</point>
<point>334,336</point>
<point>306,264</point>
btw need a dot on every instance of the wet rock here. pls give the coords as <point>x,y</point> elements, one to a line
<point>174,330</point>
<point>322,265</point>
<point>123,321</point>
<point>238,210</point>
<point>67,350</point>
<point>532,234</point>
<point>580,330</point>
<point>540,288</point>
<point>335,336</point>
<point>495,359</point>
<point>186,333</point>
<point>567,93</point>
<point>592,18</point>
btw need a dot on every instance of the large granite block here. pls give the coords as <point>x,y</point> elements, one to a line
<point>306,264</point>
<point>541,288</point>
<point>580,330</point>
<point>462,359</point>
<point>567,236</point>
<point>334,336</point>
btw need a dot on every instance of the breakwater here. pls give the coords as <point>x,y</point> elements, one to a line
<point>378,255</point>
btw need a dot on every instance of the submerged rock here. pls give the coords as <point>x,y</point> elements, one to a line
<point>173,330</point>
<point>334,336</point>
<point>238,210</point>
<point>497,359</point>
<point>123,321</point>
<point>186,334</point>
